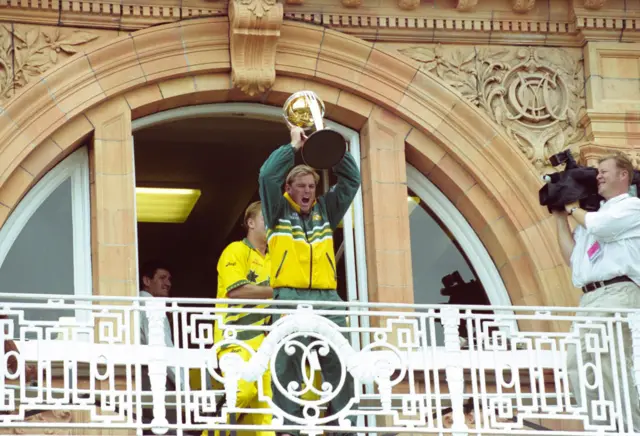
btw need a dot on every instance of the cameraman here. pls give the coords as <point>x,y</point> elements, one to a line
<point>603,254</point>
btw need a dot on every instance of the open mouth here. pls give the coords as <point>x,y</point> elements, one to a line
<point>306,201</point>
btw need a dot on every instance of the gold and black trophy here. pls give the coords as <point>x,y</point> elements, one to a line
<point>324,147</point>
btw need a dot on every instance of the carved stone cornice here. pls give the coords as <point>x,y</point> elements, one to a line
<point>586,21</point>
<point>611,127</point>
<point>591,153</point>
<point>254,30</point>
<point>535,94</point>
<point>522,6</point>
<point>594,4</point>
<point>408,5</point>
<point>101,14</point>
<point>352,3</point>
<point>466,5</point>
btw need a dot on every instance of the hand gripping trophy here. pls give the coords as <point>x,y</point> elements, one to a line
<point>324,147</point>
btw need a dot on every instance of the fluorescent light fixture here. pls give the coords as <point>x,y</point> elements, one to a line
<point>165,205</point>
<point>413,203</point>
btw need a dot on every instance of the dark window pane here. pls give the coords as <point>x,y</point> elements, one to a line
<point>40,261</point>
<point>441,271</point>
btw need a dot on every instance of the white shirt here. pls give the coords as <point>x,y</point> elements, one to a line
<point>616,230</point>
<point>168,340</point>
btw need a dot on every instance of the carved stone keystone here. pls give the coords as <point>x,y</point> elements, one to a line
<point>254,32</point>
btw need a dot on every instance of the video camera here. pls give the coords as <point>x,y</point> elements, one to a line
<point>574,183</point>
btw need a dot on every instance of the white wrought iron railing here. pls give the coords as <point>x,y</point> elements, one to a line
<point>425,369</point>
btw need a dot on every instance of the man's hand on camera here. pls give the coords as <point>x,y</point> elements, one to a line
<point>571,207</point>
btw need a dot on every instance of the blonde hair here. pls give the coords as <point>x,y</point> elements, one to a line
<point>251,212</point>
<point>622,162</point>
<point>302,170</point>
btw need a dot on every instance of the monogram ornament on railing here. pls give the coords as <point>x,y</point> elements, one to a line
<point>535,94</point>
<point>311,334</point>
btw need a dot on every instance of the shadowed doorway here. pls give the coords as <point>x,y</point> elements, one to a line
<point>220,156</point>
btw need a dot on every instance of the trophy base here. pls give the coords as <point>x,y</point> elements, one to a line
<point>324,149</point>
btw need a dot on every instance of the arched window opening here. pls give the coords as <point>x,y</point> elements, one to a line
<point>449,262</point>
<point>45,245</point>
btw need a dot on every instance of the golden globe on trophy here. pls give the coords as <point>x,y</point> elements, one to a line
<point>324,147</point>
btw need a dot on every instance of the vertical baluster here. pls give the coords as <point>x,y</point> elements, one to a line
<point>455,374</point>
<point>156,314</point>
<point>6,395</point>
<point>634,326</point>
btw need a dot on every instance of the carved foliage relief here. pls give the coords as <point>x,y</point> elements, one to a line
<point>535,94</point>
<point>26,52</point>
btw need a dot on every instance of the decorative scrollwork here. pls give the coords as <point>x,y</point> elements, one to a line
<point>535,94</point>
<point>512,376</point>
<point>253,33</point>
<point>26,52</point>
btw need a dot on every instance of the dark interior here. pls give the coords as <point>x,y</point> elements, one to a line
<point>222,157</point>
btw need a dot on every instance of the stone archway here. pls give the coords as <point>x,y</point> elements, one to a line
<point>364,87</point>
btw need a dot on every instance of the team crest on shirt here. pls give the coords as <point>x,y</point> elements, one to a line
<point>317,217</point>
<point>252,276</point>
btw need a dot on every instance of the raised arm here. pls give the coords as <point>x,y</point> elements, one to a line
<point>339,197</point>
<point>271,179</point>
<point>273,174</point>
<point>565,238</point>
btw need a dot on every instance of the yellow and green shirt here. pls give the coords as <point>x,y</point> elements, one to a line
<point>241,264</point>
<point>301,245</point>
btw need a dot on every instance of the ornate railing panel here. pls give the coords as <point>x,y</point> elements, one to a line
<point>420,369</point>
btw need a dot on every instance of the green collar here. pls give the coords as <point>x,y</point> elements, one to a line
<point>248,244</point>
<point>295,205</point>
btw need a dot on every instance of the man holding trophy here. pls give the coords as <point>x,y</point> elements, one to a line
<point>299,233</point>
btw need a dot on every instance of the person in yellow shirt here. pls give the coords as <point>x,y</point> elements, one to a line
<point>243,273</point>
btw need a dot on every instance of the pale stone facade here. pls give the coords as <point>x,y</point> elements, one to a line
<point>443,85</point>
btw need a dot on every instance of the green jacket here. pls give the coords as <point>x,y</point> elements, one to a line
<point>301,246</point>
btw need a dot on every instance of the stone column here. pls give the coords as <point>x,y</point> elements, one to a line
<point>113,220</point>
<point>384,188</point>
<point>113,224</point>
<point>386,215</point>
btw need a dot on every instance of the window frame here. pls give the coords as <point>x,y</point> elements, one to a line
<point>467,239</point>
<point>353,221</point>
<point>74,167</point>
